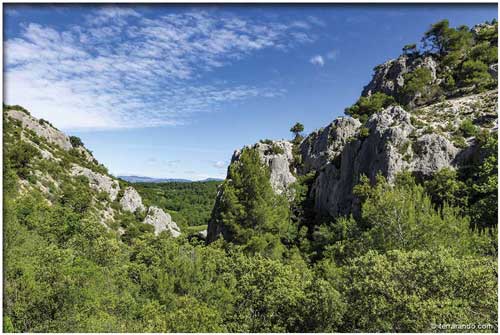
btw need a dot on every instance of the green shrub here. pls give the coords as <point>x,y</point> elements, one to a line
<point>484,52</point>
<point>467,128</point>
<point>410,49</point>
<point>20,156</point>
<point>277,150</point>
<point>419,83</point>
<point>364,132</point>
<point>75,141</point>
<point>366,106</point>
<point>416,122</point>
<point>459,141</point>
<point>474,73</point>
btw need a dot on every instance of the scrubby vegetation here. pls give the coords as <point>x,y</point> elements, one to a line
<point>366,106</point>
<point>410,248</point>
<point>420,251</point>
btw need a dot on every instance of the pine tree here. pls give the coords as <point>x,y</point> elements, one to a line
<point>253,214</point>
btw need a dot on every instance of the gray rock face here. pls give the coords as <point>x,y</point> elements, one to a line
<point>374,154</point>
<point>131,200</point>
<point>421,142</point>
<point>215,228</point>
<point>42,129</point>
<point>433,152</point>
<point>279,163</point>
<point>326,144</point>
<point>161,221</point>
<point>389,77</point>
<point>387,150</point>
<point>98,181</point>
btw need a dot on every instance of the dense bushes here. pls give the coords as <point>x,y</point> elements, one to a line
<point>366,106</point>
<point>418,87</point>
<point>64,272</point>
<point>413,291</point>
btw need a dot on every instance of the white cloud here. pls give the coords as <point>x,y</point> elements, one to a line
<point>320,60</point>
<point>317,60</point>
<point>121,69</point>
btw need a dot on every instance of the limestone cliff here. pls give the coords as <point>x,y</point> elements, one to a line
<point>420,140</point>
<point>60,162</point>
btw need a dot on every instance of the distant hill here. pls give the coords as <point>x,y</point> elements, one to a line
<point>139,179</point>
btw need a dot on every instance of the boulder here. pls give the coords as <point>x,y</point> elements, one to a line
<point>131,200</point>
<point>493,70</point>
<point>161,221</point>
<point>202,234</point>
<point>432,153</point>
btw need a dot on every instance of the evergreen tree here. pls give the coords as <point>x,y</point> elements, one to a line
<point>297,129</point>
<point>252,213</point>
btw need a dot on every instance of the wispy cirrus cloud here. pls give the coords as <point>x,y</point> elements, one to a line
<point>120,68</point>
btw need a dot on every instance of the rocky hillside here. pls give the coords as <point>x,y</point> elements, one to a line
<point>49,162</point>
<point>419,113</point>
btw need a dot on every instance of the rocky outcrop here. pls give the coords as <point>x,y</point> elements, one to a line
<point>215,228</point>
<point>41,128</point>
<point>326,144</point>
<point>51,143</point>
<point>131,201</point>
<point>387,150</point>
<point>277,155</point>
<point>161,221</point>
<point>98,181</point>
<point>377,153</point>
<point>422,142</point>
<point>389,77</point>
<point>432,153</point>
<point>493,70</point>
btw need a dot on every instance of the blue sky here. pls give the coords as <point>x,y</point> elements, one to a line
<point>171,91</point>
